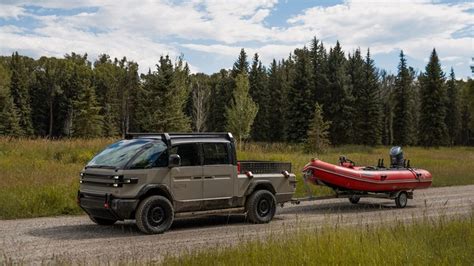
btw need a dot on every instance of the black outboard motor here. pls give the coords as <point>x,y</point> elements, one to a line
<point>396,157</point>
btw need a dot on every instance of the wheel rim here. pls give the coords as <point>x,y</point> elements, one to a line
<point>156,216</point>
<point>402,199</point>
<point>263,207</point>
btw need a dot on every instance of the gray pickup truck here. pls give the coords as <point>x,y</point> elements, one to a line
<point>152,177</point>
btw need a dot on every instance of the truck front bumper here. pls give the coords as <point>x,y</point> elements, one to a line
<point>106,206</point>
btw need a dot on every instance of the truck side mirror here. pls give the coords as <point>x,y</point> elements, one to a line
<point>174,161</point>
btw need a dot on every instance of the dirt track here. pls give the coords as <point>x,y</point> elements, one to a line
<point>77,238</point>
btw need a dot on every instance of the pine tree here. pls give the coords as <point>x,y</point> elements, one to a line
<point>9,119</point>
<point>453,114</point>
<point>369,107</point>
<point>338,106</point>
<point>167,90</point>
<point>288,74</point>
<point>78,79</point>
<point>319,67</point>
<point>128,96</point>
<point>318,139</point>
<point>241,66</point>
<point>49,77</point>
<point>19,89</point>
<point>300,109</point>
<point>433,130</point>
<point>242,111</point>
<point>87,120</point>
<point>107,76</point>
<point>467,113</point>
<point>221,96</point>
<point>260,95</point>
<point>357,81</point>
<point>387,99</point>
<point>402,117</point>
<point>277,105</point>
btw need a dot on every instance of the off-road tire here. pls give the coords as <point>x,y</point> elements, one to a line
<point>401,199</point>
<point>154,215</point>
<point>102,221</point>
<point>261,207</point>
<point>354,199</point>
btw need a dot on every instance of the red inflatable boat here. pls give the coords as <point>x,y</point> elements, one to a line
<point>354,182</point>
<point>370,179</point>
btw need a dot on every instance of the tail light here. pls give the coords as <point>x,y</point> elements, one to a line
<point>238,167</point>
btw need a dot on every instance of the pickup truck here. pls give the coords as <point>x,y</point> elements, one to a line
<point>153,177</point>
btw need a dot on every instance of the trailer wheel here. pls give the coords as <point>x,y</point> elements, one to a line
<point>101,221</point>
<point>354,199</point>
<point>401,199</point>
<point>154,215</point>
<point>261,207</point>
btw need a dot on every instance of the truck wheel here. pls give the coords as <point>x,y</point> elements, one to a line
<point>261,207</point>
<point>354,199</point>
<point>401,199</point>
<point>102,221</point>
<point>154,215</point>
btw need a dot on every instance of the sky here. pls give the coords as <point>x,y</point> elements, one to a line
<point>210,33</point>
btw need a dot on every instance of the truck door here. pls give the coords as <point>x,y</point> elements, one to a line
<point>186,180</point>
<point>218,173</point>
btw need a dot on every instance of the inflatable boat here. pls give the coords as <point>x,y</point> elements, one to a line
<point>395,182</point>
<point>347,176</point>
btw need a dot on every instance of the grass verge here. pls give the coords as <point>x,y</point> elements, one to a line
<point>428,242</point>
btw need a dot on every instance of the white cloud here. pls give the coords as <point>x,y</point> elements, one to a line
<point>145,30</point>
<point>10,11</point>
<point>266,52</point>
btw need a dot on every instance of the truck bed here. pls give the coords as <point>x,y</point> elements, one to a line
<point>264,167</point>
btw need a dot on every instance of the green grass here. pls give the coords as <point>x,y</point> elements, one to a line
<point>439,242</point>
<point>40,177</point>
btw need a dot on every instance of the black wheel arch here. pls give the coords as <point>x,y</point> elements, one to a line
<point>155,190</point>
<point>260,185</point>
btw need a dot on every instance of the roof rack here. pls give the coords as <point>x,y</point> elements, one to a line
<point>168,136</point>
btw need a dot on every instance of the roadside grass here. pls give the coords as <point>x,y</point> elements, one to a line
<point>40,177</point>
<point>427,242</point>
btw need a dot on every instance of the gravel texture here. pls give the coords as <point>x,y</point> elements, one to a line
<point>76,239</point>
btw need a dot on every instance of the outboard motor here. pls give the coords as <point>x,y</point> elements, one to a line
<point>396,157</point>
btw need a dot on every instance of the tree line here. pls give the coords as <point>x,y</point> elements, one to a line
<point>316,95</point>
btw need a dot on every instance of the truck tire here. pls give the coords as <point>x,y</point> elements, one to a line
<point>102,221</point>
<point>261,207</point>
<point>154,215</point>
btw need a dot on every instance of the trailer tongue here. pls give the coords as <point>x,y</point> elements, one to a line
<point>354,182</point>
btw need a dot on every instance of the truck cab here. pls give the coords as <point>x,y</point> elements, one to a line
<point>153,177</point>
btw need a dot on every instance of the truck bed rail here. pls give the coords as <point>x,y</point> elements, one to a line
<point>264,167</point>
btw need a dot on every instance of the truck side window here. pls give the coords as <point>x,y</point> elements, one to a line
<point>215,153</point>
<point>188,152</point>
<point>151,157</point>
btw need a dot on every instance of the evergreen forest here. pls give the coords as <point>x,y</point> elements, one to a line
<point>318,95</point>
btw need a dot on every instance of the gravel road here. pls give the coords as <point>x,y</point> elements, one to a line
<point>77,239</point>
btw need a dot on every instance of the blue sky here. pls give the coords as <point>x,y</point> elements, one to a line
<point>210,33</point>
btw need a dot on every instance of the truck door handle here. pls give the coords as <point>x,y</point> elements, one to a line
<point>208,177</point>
<point>197,177</point>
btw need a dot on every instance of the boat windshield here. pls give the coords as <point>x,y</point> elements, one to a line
<point>120,153</point>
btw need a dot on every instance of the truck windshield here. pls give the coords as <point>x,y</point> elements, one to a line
<point>120,153</point>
